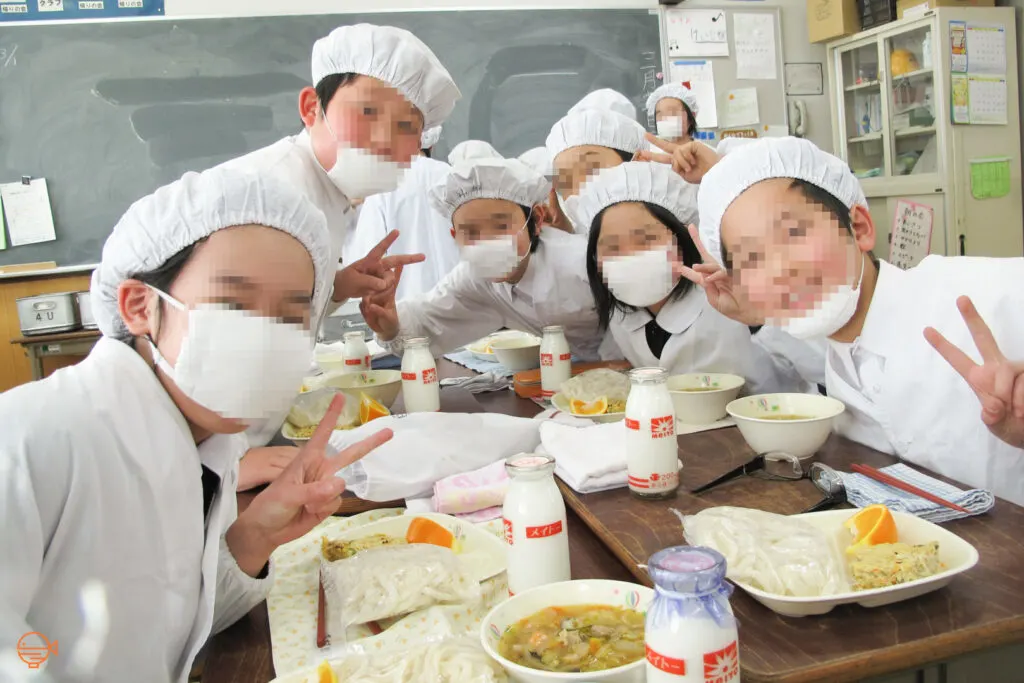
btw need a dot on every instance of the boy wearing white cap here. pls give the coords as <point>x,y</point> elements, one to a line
<point>792,227</point>
<point>407,209</point>
<point>513,273</point>
<point>121,537</point>
<point>638,215</point>
<point>539,159</point>
<point>674,107</point>
<point>374,90</point>
<point>583,143</point>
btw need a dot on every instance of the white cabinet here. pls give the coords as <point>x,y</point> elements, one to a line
<point>890,90</point>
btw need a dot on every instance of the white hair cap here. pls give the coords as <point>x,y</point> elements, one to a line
<point>606,98</point>
<point>508,179</point>
<point>178,215</point>
<point>394,56</point>
<point>638,181</point>
<point>764,159</point>
<point>430,137</point>
<point>675,91</point>
<point>598,127</point>
<point>539,160</point>
<point>467,150</point>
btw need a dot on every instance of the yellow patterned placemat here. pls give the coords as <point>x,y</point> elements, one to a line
<point>292,602</point>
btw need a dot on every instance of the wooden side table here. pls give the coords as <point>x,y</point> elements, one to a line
<point>37,347</point>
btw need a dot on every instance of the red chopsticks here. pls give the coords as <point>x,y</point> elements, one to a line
<point>877,475</point>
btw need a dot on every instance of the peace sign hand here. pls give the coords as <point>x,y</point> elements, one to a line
<point>692,160</point>
<point>303,495</point>
<point>717,285</point>
<point>997,382</point>
<point>368,275</point>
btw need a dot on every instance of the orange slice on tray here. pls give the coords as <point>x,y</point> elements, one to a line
<point>598,406</point>
<point>325,674</point>
<point>370,409</point>
<point>874,525</point>
<point>423,530</point>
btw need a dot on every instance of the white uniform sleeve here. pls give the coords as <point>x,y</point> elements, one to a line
<point>458,311</point>
<point>797,358</point>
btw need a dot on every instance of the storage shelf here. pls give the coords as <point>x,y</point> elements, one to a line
<point>914,74</point>
<point>915,130</point>
<point>865,138</point>
<point>862,86</point>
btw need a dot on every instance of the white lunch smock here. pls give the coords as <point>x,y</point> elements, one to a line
<point>293,161</point>
<point>704,340</point>
<point>100,480</point>
<point>422,230</point>
<point>554,290</point>
<point>903,398</point>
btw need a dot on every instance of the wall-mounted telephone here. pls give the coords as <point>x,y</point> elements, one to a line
<point>797,118</point>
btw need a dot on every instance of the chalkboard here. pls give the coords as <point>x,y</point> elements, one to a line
<point>108,112</point>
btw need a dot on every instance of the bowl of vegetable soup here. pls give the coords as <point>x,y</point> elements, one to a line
<point>792,423</point>
<point>590,630</point>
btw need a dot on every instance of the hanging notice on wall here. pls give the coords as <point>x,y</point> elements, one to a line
<point>958,47</point>
<point>63,10</point>
<point>755,46</point>
<point>911,238</point>
<point>701,78</point>
<point>986,50</point>
<point>986,99</point>
<point>697,33</point>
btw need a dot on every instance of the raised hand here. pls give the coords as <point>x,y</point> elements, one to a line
<point>303,495</point>
<point>261,466</point>
<point>380,310</point>
<point>690,159</point>
<point>717,285</point>
<point>368,274</point>
<point>997,382</point>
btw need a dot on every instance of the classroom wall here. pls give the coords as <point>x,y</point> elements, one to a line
<point>1018,6</point>
<point>794,26</point>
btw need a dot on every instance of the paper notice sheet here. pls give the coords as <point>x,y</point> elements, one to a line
<point>27,207</point>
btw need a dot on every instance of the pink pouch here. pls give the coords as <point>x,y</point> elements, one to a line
<point>472,491</point>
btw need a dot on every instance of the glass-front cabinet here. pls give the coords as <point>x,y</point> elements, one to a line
<point>886,103</point>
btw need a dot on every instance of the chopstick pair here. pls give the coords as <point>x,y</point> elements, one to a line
<point>877,475</point>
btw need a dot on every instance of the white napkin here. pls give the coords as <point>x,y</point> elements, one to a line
<point>592,458</point>
<point>428,447</point>
<point>478,384</point>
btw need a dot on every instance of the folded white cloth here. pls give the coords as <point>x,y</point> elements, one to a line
<point>466,359</point>
<point>478,384</point>
<point>420,505</point>
<point>592,457</point>
<point>863,491</point>
<point>428,447</point>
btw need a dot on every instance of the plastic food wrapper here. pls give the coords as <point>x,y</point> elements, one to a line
<point>309,409</point>
<point>434,660</point>
<point>387,582</point>
<point>773,553</point>
<point>594,384</point>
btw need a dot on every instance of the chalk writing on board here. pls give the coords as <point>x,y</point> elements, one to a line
<point>911,238</point>
<point>8,57</point>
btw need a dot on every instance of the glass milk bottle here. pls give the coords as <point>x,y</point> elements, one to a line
<point>356,354</point>
<point>419,377</point>
<point>555,364</point>
<point>691,631</point>
<point>535,524</point>
<point>652,456</point>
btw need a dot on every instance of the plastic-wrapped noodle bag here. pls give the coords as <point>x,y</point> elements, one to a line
<point>774,553</point>
<point>594,384</point>
<point>434,660</point>
<point>309,409</point>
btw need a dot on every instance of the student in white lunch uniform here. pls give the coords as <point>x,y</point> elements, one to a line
<point>121,539</point>
<point>674,108</point>
<point>583,143</point>
<point>513,272</point>
<point>374,90</point>
<point>408,210</point>
<point>539,159</point>
<point>791,226</point>
<point>638,243</point>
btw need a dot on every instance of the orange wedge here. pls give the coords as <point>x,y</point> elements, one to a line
<point>596,407</point>
<point>325,674</point>
<point>423,530</point>
<point>873,525</point>
<point>370,409</point>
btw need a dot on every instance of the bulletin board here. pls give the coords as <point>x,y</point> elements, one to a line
<point>696,31</point>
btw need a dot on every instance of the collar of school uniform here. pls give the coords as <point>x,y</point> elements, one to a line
<point>675,317</point>
<point>890,292</point>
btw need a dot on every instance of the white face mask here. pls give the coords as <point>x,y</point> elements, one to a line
<point>239,365</point>
<point>829,315</point>
<point>494,258</point>
<point>670,128</point>
<point>568,206</point>
<point>359,173</point>
<point>641,279</point>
